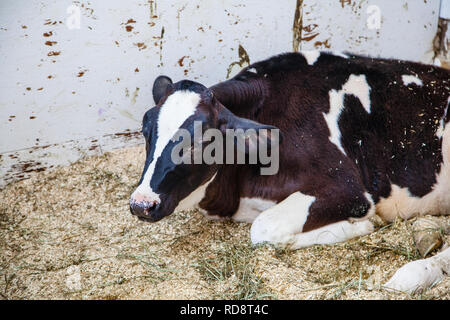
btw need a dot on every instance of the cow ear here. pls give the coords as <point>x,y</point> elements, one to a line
<point>161,86</point>
<point>254,134</point>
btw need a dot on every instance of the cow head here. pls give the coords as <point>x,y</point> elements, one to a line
<point>164,182</point>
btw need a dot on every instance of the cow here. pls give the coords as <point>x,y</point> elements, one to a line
<point>360,136</point>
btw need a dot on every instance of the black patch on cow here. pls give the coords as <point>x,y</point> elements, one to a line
<point>292,95</point>
<point>395,143</point>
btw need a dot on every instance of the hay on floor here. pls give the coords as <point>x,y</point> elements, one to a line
<point>68,234</point>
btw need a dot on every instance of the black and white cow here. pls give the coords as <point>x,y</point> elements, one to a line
<point>361,136</point>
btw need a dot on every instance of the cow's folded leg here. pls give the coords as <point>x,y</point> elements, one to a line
<point>333,233</point>
<point>284,224</point>
<point>421,274</point>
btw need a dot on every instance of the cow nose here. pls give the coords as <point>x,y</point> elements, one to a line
<point>143,208</point>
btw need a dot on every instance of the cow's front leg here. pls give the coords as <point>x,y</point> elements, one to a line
<point>301,220</point>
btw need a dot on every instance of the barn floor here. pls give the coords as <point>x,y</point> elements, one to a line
<point>68,234</point>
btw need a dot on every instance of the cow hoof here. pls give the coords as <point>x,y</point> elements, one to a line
<point>427,235</point>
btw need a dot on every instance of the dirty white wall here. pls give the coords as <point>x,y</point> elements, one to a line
<point>399,29</point>
<point>445,9</point>
<point>78,84</point>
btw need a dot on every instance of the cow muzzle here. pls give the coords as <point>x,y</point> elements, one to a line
<point>145,210</point>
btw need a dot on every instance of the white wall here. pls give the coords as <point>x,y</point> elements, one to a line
<point>87,92</point>
<point>445,9</point>
<point>407,27</point>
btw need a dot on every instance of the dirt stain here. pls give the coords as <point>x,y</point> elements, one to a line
<point>180,61</point>
<point>135,95</point>
<point>244,60</point>
<point>54,53</point>
<point>310,37</point>
<point>297,26</point>
<point>344,2</point>
<point>310,27</point>
<point>50,22</point>
<point>300,32</point>
<point>320,44</point>
<point>129,134</point>
<point>28,166</point>
<point>153,9</point>
<point>141,46</point>
<point>128,25</point>
<point>161,46</point>
<point>179,17</point>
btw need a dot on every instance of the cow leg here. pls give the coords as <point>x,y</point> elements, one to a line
<point>287,223</point>
<point>421,274</point>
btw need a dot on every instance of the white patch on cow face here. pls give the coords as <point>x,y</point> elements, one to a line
<point>408,79</point>
<point>421,274</point>
<point>311,56</point>
<point>355,85</point>
<point>176,109</point>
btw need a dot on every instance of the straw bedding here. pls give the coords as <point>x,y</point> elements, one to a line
<point>68,234</point>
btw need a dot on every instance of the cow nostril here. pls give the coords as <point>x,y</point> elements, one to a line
<point>149,207</point>
<point>143,208</point>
